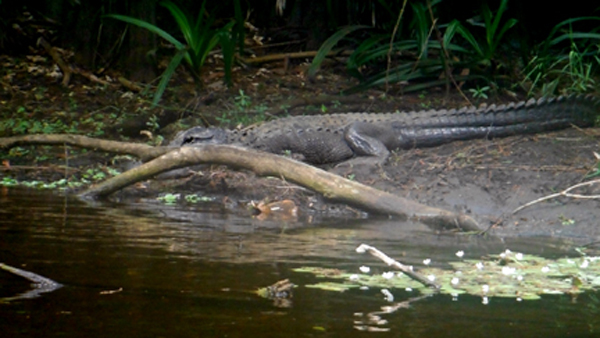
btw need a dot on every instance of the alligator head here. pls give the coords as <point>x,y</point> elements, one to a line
<point>200,135</point>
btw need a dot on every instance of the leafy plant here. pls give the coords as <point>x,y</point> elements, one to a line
<point>328,45</point>
<point>479,92</point>
<point>507,275</point>
<point>245,112</point>
<point>194,198</point>
<point>169,198</point>
<point>200,39</point>
<point>554,66</point>
<point>594,172</point>
<point>412,62</point>
<point>242,101</point>
<point>22,123</point>
<point>494,32</point>
<point>153,123</point>
<point>91,175</point>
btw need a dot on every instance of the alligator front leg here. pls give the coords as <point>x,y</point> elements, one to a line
<point>367,139</point>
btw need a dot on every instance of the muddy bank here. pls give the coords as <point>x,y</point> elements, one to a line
<point>489,179</point>
<point>486,179</point>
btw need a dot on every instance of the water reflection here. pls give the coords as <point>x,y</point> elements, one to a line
<point>145,269</point>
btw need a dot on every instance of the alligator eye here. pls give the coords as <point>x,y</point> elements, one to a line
<point>197,138</point>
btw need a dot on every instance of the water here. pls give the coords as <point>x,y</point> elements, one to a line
<point>146,270</point>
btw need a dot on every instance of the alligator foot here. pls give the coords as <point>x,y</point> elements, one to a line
<point>371,161</point>
<point>369,165</point>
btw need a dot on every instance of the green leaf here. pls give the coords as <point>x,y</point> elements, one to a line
<point>238,30</point>
<point>181,19</point>
<point>166,76</point>
<point>421,27</point>
<point>227,43</point>
<point>328,45</point>
<point>468,36</point>
<point>154,29</point>
<point>573,36</point>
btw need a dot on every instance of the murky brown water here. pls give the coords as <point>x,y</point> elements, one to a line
<point>147,270</point>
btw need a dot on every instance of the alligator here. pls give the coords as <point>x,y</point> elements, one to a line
<point>334,138</point>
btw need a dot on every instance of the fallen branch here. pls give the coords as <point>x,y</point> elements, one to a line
<point>564,193</point>
<point>391,262</point>
<point>285,56</point>
<point>40,284</point>
<point>332,186</point>
<point>130,85</point>
<point>142,151</point>
<point>66,69</point>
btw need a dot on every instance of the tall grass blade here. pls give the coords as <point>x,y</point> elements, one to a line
<point>182,21</point>
<point>328,45</point>
<point>239,33</point>
<point>166,76</point>
<point>152,28</point>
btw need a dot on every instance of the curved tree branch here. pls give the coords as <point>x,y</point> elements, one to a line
<point>332,186</point>
<point>142,151</point>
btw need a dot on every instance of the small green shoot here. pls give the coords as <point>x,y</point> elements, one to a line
<point>152,123</point>
<point>194,198</point>
<point>169,198</point>
<point>594,172</point>
<point>243,101</point>
<point>479,92</point>
<point>9,182</point>
<point>565,220</point>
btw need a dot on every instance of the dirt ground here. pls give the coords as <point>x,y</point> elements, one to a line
<point>486,179</point>
<point>489,179</point>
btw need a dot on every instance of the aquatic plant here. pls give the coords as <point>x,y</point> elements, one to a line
<point>508,274</point>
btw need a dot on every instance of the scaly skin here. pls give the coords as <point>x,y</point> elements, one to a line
<point>339,137</point>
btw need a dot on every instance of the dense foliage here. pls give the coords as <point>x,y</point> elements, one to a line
<point>492,45</point>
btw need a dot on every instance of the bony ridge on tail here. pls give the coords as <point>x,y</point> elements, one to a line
<point>334,138</point>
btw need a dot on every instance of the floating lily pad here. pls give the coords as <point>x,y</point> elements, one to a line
<point>509,274</point>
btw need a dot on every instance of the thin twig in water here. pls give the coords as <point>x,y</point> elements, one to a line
<point>565,193</point>
<point>40,284</point>
<point>391,262</point>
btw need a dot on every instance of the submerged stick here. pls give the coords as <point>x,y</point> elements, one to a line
<point>39,283</point>
<point>392,262</point>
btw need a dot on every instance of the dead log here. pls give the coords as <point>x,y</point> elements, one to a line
<point>333,187</point>
<point>69,70</point>
<point>284,56</point>
<point>142,151</point>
